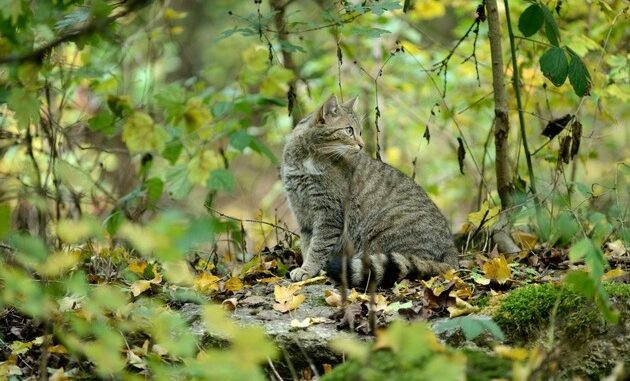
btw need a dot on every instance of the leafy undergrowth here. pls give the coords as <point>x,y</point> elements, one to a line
<point>95,310</point>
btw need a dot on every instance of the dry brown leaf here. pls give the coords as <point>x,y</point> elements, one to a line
<point>497,269</point>
<point>616,248</point>
<point>332,298</point>
<point>233,284</point>
<point>230,304</point>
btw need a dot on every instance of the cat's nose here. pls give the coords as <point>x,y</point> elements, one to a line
<point>360,143</point>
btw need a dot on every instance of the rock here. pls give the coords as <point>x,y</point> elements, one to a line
<point>300,347</point>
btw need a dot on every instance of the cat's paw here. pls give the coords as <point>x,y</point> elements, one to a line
<point>299,274</point>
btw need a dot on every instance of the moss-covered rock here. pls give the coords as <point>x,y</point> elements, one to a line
<point>584,344</point>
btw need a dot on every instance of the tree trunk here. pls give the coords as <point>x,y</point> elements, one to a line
<point>501,131</point>
<point>501,120</point>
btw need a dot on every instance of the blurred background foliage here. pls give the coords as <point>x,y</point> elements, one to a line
<point>154,122</point>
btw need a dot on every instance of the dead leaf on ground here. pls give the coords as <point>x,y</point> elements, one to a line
<point>332,298</point>
<point>205,282</point>
<point>527,241</point>
<point>461,308</point>
<point>307,322</point>
<point>142,285</point>
<point>614,273</point>
<point>497,269</point>
<point>230,304</point>
<point>137,267</point>
<point>287,298</point>
<point>234,284</point>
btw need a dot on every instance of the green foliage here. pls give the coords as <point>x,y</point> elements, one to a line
<point>527,311</point>
<point>471,325</point>
<point>404,352</point>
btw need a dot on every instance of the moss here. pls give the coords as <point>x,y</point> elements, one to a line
<point>482,366</point>
<point>482,301</point>
<point>526,310</point>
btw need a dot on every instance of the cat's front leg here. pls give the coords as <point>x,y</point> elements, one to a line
<point>320,247</point>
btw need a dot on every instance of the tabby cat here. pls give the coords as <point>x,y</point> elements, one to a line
<point>390,219</point>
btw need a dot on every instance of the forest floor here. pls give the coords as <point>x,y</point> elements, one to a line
<point>520,292</point>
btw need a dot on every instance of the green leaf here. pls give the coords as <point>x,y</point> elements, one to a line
<point>177,182</point>
<point>241,140</point>
<point>26,106</point>
<point>579,76</point>
<point>222,180</point>
<point>5,219</point>
<point>471,325</point>
<point>11,9</point>
<point>580,249</point>
<point>113,221</point>
<point>554,65</point>
<point>551,28</point>
<point>154,188</point>
<point>141,134</point>
<point>31,246</point>
<point>531,20</point>
<point>582,283</point>
<point>103,122</point>
<point>172,151</point>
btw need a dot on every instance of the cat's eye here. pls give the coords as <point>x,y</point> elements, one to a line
<point>349,131</point>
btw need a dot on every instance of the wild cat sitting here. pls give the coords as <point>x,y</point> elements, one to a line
<point>328,178</point>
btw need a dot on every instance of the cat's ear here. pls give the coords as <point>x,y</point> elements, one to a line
<point>349,105</point>
<point>329,109</point>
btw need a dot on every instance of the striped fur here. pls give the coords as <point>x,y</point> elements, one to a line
<point>394,229</point>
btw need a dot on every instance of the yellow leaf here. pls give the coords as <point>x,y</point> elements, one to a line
<point>137,267</point>
<point>461,308</point>
<point>616,247</point>
<point>202,164</point>
<point>428,9</point>
<point>306,322</point>
<point>196,114</point>
<point>497,269</point>
<point>276,81</point>
<point>141,134</point>
<point>171,14</point>
<point>527,241</point>
<point>490,215</point>
<point>512,353</point>
<point>140,286</point>
<point>206,282</point>
<point>59,375</point>
<point>614,273</point>
<point>58,349</point>
<point>233,284</point>
<point>332,298</point>
<point>283,294</point>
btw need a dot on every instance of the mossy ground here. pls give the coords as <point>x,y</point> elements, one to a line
<point>524,312</point>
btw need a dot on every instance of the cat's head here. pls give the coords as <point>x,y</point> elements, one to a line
<point>333,131</point>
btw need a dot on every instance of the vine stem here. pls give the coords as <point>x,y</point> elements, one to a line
<point>516,83</point>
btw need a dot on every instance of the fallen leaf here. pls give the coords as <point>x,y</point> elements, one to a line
<point>272,279</point>
<point>616,248</point>
<point>286,298</point>
<point>206,282</point>
<point>497,269</point>
<point>58,349</point>
<point>332,298</point>
<point>233,284</point>
<point>290,305</point>
<point>135,360</point>
<point>59,375</point>
<point>316,279</point>
<point>461,308</point>
<point>307,322</point>
<point>527,241</point>
<point>512,353</point>
<point>140,286</point>
<point>137,267</point>
<point>230,304</point>
<point>480,279</point>
<point>614,273</point>
<point>394,307</point>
